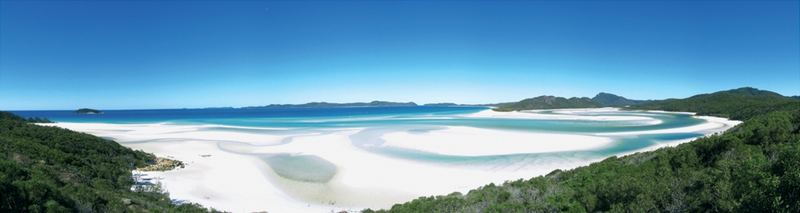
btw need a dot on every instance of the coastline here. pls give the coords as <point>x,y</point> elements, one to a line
<point>719,125</point>
<point>219,176</point>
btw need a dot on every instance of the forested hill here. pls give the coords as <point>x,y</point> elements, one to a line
<point>50,169</point>
<point>547,102</point>
<point>552,102</point>
<point>754,167</point>
<point>738,104</point>
<point>611,100</point>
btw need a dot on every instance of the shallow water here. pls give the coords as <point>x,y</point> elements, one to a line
<point>316,175</point>
<point>306,168</point>
<point>381,120</point>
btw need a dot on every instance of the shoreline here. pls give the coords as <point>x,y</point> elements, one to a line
<point>216,176</point>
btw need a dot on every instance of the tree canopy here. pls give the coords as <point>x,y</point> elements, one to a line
<point>50,169</point>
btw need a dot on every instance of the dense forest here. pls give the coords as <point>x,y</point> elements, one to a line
<point>50,169</point>
<point>754,167</point>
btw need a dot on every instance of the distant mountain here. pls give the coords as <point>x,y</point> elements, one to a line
<point>736,104</point>
<point>334,105</point>
<point>611,100</point>
<point>547,102</point>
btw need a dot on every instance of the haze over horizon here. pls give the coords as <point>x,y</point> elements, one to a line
<point>137,55</point>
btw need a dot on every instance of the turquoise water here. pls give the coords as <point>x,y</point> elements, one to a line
<point>364,117</point>
<point>377,121</point>
<point>307,168</point>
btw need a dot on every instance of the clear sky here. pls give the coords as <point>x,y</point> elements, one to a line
<point>152,54</point>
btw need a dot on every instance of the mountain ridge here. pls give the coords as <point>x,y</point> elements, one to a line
<point>612,100</point>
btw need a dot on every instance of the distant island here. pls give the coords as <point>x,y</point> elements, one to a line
<point>553,102</point>
<point>335,105</point>
<point>547,102</point>
<point>88,111</point>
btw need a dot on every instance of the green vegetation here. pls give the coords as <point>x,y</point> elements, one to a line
<point>551,102</point>
<point>38,120</point>
<point>754,167</point>
<point>50,169</point>
<point>88,111</point>
<point>737,104</point>
<point>547,102</point>
<point>611,100</point>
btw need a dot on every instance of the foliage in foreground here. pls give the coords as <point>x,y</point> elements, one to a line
<point>50,169</point>
<point>754,167</point>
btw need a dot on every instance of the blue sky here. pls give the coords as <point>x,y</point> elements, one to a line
<point>151,54</point>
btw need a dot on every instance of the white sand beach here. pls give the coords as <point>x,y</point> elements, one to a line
<point>566,114</point>
<point>227,169</point>
<point>710,126</point>
<point>470,141</point>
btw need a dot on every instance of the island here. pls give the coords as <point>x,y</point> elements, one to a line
<point>602,99</point>
<point>547,102</point>
<point>88,111</point>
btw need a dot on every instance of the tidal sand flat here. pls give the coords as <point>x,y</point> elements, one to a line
<point>296,163</point>
<point>470,141</point>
